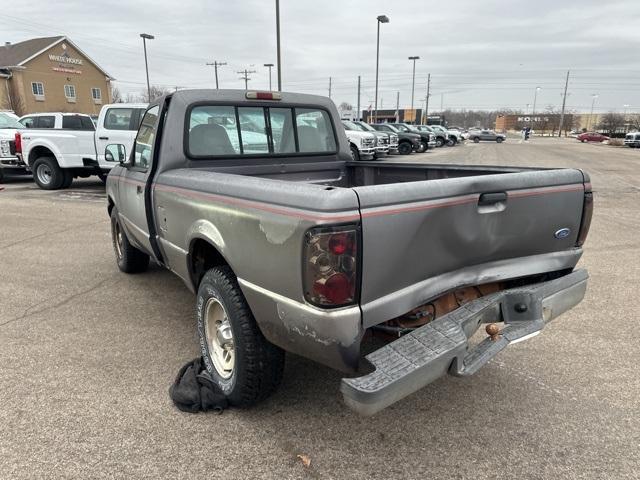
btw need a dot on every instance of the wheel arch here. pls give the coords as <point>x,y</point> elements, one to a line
<point>41,151</point>
<point>203,254</point>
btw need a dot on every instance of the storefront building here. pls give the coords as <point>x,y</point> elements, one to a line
<point>51,74</point>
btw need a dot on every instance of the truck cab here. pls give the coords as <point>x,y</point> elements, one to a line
<point>59,147</point>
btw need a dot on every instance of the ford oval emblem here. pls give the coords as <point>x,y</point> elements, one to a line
<point>562,233</point>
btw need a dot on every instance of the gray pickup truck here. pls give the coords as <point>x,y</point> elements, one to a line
<point>253,200</point>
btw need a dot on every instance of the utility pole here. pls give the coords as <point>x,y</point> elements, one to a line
<point>215,65</point>
<point>564,100</point>
<point>398,107</point>
<point>245,76</point>
<point>329,87</point>
<point>278,45</point>
<point>426,104</point>
<point>358,111</point>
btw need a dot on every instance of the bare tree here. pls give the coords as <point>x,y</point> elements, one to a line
<point>156,92</point>
<point>116,96</point>
<point>612,123</point>
<point>135,98</point>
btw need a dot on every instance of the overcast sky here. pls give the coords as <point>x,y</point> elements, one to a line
<point>481,54</point>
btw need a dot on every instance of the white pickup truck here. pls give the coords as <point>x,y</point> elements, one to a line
<point>9,160</point>
<point>58,147</point>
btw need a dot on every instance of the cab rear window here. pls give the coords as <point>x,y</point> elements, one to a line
<point>229,131</point>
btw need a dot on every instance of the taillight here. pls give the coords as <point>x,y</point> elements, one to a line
<point>585,223</point>
<point>331,266</point>
<point>18,142</point>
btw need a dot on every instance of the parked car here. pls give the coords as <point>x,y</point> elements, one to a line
<point>363,144</point>
<point>427,139</point>
<point>632,139</point>
<point>59,147</point>
<point>272,243</point>
<point>386,142</point>
<point>451,138</point>
<point>441,138</point>
<point>486,136</point>
<point>407,142</point>
<point>9,158</point>
<point>592,137</point>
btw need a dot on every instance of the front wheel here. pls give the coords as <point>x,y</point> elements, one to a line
<point>47,174</point>
<point>499,140</point>
<point>422,147</point>
<point>355,153</point>
<point>439,142</point>
<point>404,148</point>
<point>476,140</point>
<point>128,257</point>
<point>245,366</point>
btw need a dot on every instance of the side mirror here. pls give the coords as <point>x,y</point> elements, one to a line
<point>115,153</point>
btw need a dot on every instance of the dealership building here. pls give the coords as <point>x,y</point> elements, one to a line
<point>51,74</point>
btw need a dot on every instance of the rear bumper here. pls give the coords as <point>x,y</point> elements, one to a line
<point>417,359</point>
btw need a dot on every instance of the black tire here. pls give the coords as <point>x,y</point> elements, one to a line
<point>439,142</point>
<point>499,140</point>
<point>405,148</point>
<point>103,178</point>
<point>422,147</point>
<point>476,139</point>
<point>355,153</point>
<point>128,257</point>
<point>68,179</point>
<point>453,141</point>
<point>1,174</point>
<point>47,174</point>
<point>583,140</point>
<point>258,364</point>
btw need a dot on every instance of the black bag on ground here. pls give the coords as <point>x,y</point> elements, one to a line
<point>194,391</point>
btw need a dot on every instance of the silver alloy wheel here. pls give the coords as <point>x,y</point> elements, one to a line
<point>44,174</point>
<point>117,238</point>
<point>219,338</point>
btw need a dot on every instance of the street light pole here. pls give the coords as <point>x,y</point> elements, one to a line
<point>413,81</point>
<point>269,65</point>
<point>279,60</point>
<point>533,110</point>
<point>145,37</point>
<point>626,124</point>
<point>593,102</point>
<point>381,19</point>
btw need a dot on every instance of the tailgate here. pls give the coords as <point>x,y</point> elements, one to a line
<point>421,239</point>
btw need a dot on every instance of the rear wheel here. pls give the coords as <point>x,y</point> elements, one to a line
<point>128,257</point>
<point>355,154</point>
<point>476,139</point>
<point>47,174</point>
<point>103,178</point>
<point>244,364</point>
<point>404,148</point>
<point>422,147</point>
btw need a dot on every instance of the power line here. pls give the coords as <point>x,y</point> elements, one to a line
<point>245,77</point>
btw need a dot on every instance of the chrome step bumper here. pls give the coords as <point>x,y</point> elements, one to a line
<point>420,357</point>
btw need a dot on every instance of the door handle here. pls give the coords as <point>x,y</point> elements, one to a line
<point>492,198</point>
<point>103,138</point>
<point>139,189</point>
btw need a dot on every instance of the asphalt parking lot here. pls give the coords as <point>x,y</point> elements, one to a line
<point>87,355</point>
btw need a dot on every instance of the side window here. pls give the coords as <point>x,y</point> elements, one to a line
<point>284,140</point>
<point>213,131</point>
<point>253,130</point>
<point>76,122</point>
<point>145,138</point>
<point>28,122</point>
<point>46,122</point>
<point>118,119</point>
<point>314,131</point>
